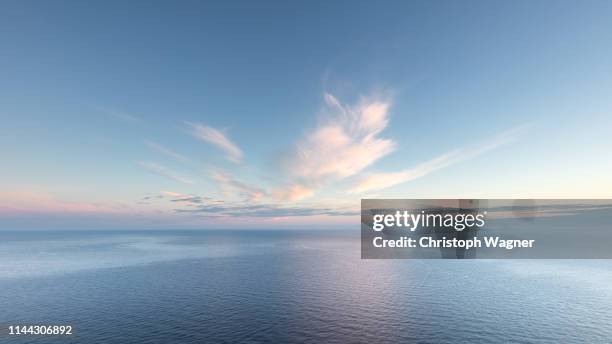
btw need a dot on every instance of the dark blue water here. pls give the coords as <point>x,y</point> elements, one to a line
<point>288,287</point>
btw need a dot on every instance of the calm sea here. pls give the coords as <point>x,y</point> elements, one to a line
<point>288,287</point>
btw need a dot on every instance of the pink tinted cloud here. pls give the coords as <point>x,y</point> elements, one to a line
<point>231,186</point>
<point>293,193</point>
<point>347,142</point>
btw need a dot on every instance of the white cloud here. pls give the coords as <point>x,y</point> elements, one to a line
<point>218,139</point>
<point>346,142</point>
<point>378,181</point>
<point>384,180</point>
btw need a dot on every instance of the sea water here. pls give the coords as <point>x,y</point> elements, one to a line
<point>288,287</point>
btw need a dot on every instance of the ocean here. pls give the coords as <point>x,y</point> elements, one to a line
<point>287,287</point>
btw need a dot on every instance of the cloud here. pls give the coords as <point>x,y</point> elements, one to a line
<point>177,197</point>
<point>378,181</point>
<point>232,186</point>
<point>164,172</point>
<point>172,194</point>
<point>293,193</point>
<point>212,207</point>
<point>124,116</point>
<point>265,210</point>
<point>190,199</point>
<point>345,143</point>
<point>217,138</point>
<point>165,151</point>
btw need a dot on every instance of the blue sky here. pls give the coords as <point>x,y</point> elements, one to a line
<point>284,114</point>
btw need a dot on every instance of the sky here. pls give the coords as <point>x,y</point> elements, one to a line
<point>285,114</point>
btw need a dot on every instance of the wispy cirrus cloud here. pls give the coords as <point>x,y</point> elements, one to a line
<point>347,141</point>
<point>379,181</point>
<point>231,186</point>
<point>164,172</point>
<point>166,151</point>
<point>218,139</point>
<point>125,116</point>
